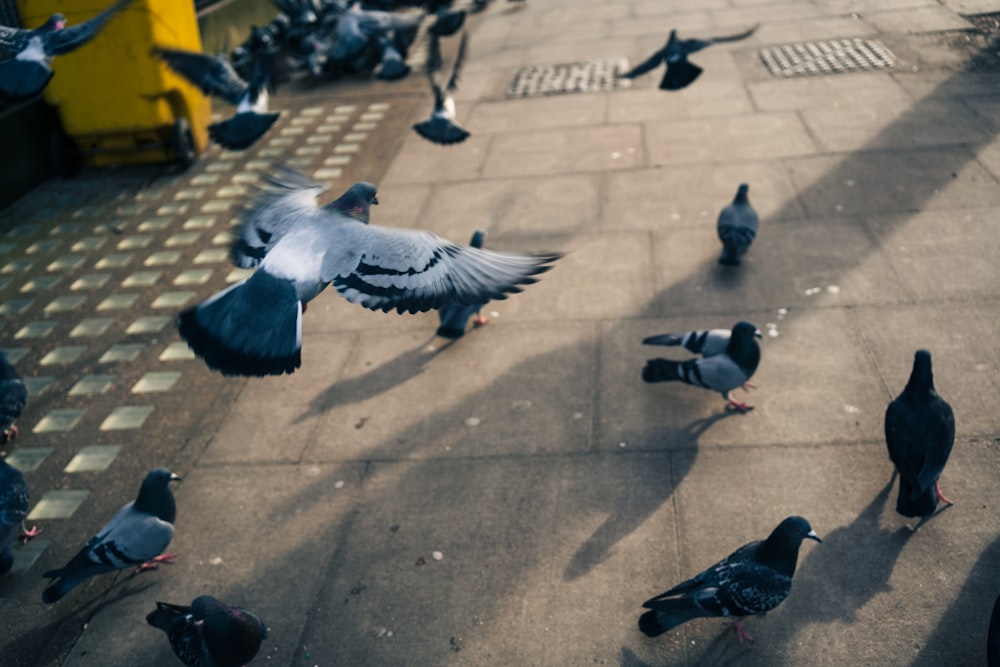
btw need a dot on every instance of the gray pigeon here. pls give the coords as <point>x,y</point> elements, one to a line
<point>29,70</point>
<point>441,127</point>
<point>919,432</point>
<point>754,579</point>
<point>216,76</point>
<point>729,360</point>
<point>993,637</point>
<point>737,227</point>
<point>209,633</point>
<point>455,318</point>
<point>254,327</point>
<point>136,535</point>
<point>392,64</point>
<point>680,73</point>
<point>13,398</point>
<point>13,509</point>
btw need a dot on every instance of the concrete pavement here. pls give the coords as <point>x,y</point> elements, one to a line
<point>511,499</point>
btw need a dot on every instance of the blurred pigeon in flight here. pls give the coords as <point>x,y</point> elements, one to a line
<point>136,535</point>
<point>28,71</point>
<point>737,227</point>
<point>680,73</point>
<point>254,327</point>
<point>13,398</point>
<point>754,579</point>
<point>392,64</point>
<point>209,633</point>
<point>720,368</point>
<point>13,509</point>
<point>919,431</point>
<point>441,128</point>
<point>454,318</point>
<point>216,76</point>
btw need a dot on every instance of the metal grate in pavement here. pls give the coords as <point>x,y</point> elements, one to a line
<point>589,76</point>
<point>832,57</point>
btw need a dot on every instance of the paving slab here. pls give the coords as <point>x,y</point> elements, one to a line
<point>916,20</point>
<point>562,150</point>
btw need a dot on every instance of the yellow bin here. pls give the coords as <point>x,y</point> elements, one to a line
<point>118,103</point>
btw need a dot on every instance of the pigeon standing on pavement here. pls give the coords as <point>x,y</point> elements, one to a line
<point>216,76</point>
<point>441,127</point>
<point>209,633</point>
<point>29,70</point>
<point>754,579</point>
<point>993,638</point>
<point>680,72</point>
<point>729,359</point>
<point>254,327</point>
<point>136,535</point>
<point>737,227</point>
<point>919,432</point>
<point>13,509</point>
<point>13,398</point>
<point>454,318</point>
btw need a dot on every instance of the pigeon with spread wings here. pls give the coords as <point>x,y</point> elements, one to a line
<point>254,327</point>
<point>680,72</point>
<point>441,127</point>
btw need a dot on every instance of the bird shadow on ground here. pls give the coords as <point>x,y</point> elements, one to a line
<point>627,512</point>
<point>970,611</point>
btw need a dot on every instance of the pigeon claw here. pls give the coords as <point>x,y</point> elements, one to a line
<point>154,563</point>
<point>940,496</point>
<point>10,434</point>
<point>747,386</point>
<point>741,632</point>
<point>738,405</point>
<point>28,534</point>
<point>479,321</point>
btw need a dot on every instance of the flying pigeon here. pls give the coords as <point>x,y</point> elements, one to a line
<point>25,75</point>
<point>13,398</point>
<point>136,535</point>
<point>737,227</point>
<point>393,62</point>
<point>13,509</point>
<point>441,128</point>
<point>680,73</point>
<point>454,318</point>
<point>254,327</point>
<point>993,638</point>
<point>216,76</point>
<point>919,431</point>
<point>729,359</point>
<point>448,21</point>
<point>754,579</point>
<point>209,633</point>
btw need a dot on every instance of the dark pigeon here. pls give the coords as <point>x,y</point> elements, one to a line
<point>919,432</point>
<point>441,127</point>
<point>216,76</point>
<point>754,579</point>
<point>392,64</point>
<point>25,75</point>
<point>13,509</point>
<point>448,22</point>
<point>455,318</point>
<point>13,399</point>
<point>254,327</point>
<point>720,368</point>
<point>993,638</point>
<point>136,535</point>
<point>737,227</point>
<point>680,73</point>
<point>209,633</point>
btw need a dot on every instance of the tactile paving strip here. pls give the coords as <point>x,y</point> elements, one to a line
<point>589,76</point>
<point>832,57</point>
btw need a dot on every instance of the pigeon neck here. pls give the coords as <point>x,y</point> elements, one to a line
<point>155,498</point>
<point>921,380</point>
<point>744,351</point>
<point>741,196</point>
<point>779,553</point>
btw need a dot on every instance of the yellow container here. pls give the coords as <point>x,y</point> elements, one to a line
<point>118,103</point>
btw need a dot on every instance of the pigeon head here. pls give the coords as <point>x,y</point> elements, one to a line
<point>355,203</point>
<point>478,237</point>
<point>155,496</point>
<point>54,22</point>
<point>232,635</point>
<point>781,549</point>
<point>744,330</point>
<point>922,376</point>
<point>741,194</point>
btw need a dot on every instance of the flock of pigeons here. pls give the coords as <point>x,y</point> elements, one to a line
<point>298,248</point>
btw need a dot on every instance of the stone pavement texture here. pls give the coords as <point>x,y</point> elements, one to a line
<point>512,498</point>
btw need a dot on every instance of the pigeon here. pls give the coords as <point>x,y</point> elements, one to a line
<point>13,509</point>
<point>216,76</point>
<point>919,432</point>
<point>441,128</point>
<point>13,398</point>
<point>254,327</point>
<point>448,21</point>
<point>729,360</point>
<point>25,74</point>
<point>680,73</point>
<point>993,638</point>
<point>454,318</point>
<point>209,633</point>
<point>392,62</point>
<point>754,579</point>
<point>737,227</point>
<point>136,535</point>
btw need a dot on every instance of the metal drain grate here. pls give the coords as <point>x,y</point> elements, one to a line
<point>832,57</point>
<point>589,76</point>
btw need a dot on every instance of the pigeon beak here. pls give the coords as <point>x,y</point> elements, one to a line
<point>375,200</point>
<point>757,334</point>
<point>813,536</point>
<point>175,478</point>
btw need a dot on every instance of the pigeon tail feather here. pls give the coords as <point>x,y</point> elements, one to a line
<point>242,130</point>
<point>922,505</point>
<point>667,615</point>
<point>441,131</point>
<point>679,75</point>
<point>59,588</point>
<point>392,70</point>
<point>661,370</point>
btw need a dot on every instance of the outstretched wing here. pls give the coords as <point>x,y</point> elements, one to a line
<point>12,40</point>
<point>649,64</point>
<point>61,42</point>
<point>456,69</point>
<point>734,38</point>
<point>213,75</point>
